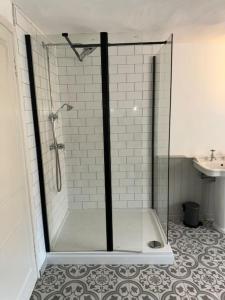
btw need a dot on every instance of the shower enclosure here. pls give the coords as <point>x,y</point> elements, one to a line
<point>101,107</point>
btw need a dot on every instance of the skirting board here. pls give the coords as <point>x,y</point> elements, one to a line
<point>220,229</point>
<point>156,257</point>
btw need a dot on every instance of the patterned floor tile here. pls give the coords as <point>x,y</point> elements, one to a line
<point>182,266</point>
<point>198,273</point>
<point>130,290</point>
<point>186,290</point>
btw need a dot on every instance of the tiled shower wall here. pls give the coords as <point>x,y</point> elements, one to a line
<point>80,86</point>
<point>130,69</point>
<point>130,99</point>
<point>57,203</point>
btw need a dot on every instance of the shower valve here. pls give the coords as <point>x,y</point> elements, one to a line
<point>57,146</point>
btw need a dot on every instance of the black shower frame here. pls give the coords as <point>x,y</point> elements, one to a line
<point>104,45</point>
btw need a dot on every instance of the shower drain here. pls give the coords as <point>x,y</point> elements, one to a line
<point>154,244</point>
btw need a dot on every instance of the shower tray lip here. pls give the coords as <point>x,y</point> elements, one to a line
<point>115,257</point>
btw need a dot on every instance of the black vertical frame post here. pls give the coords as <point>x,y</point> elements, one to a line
<point>153,128</point>
<point>106,138</point>
<point>171,81</point>
<point>37,139</point>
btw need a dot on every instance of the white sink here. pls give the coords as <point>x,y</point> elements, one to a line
<point>215,168</point>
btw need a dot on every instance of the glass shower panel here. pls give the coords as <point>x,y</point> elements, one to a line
<point>162,132</point>
<point>130,185</point>
<point>69,101</point>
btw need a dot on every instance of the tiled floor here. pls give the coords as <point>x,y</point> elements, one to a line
<point>198,273</point>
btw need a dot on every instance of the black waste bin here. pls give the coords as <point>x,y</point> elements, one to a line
<point>191,214</point>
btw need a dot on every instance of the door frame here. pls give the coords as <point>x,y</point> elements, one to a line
<point>18,93</point>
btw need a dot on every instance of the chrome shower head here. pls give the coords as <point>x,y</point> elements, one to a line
<point>54,116</point>
<point>86,51</point>
<point>68,107</point>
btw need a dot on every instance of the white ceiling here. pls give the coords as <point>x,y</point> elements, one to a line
<point>187,19</point>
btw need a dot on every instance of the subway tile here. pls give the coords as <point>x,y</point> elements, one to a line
<point>126,197</point>
<point>92,70</point>
<point>125,87</point>
<point>117,60</point>
<point>83,79</point>
<point>126,69</point>
<point>135,59</point>
<point>118,95</point>
<point>134,77</point>
<point>65,61</point>
<point>134,204</point>
<point>116,78</point>
<point>119,204</point>
<point>67,79</point>
<point>89,204</point>
<point>126,50</point>
<point>113,50</point>
<point>75,70</point>
<point>113,69</point>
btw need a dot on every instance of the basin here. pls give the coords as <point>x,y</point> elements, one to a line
<point>215,168</point>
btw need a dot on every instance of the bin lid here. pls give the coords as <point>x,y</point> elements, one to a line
<point>191,204</point>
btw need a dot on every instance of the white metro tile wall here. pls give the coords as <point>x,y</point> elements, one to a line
<point>80,86</point>
<point>58,203</point>
<point>131,109</point>
<point>130,98</point>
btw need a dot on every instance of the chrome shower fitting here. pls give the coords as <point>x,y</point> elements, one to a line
<point>54,116</point>
<point>86,52</point>
<point>83,54</point>
<point>57,146</point>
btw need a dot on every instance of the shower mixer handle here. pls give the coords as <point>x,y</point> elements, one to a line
<point>52,117</point>
<point>59,146</point>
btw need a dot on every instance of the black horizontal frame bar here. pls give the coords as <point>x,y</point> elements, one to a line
<point>85,45</point>
<point>138,43</point>
<point>72,45</point>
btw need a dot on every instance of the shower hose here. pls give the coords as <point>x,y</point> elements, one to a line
<point>55,144</point>
<point>57,160</point>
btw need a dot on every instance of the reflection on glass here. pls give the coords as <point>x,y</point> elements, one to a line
<point>76,213</point>
<point>162,132</point>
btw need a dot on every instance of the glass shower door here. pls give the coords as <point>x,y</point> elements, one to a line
<point>70,90</point>
<point>127,153</point>
<point>162,112</point>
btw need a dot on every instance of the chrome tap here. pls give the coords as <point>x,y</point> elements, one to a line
<point>212,156</point>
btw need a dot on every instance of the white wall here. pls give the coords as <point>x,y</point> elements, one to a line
<point>56,202</point>
<point>6,10</point>
<point>198,100</point>
<point>22,26</point>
